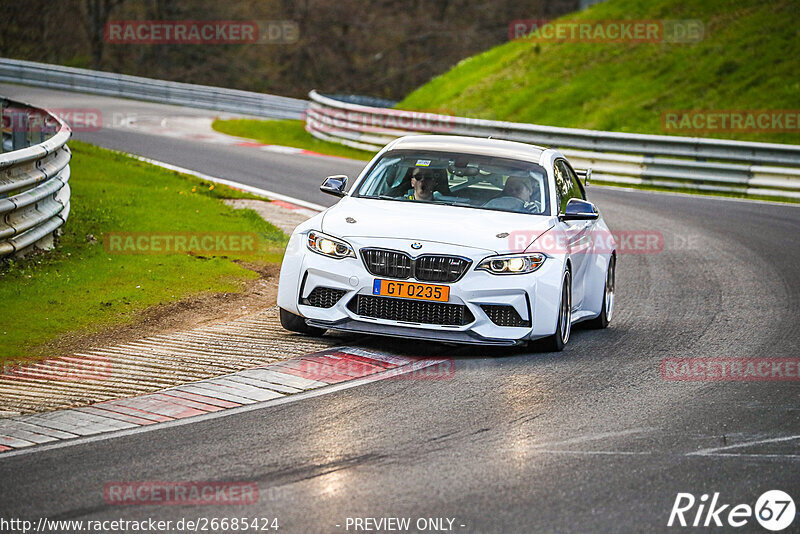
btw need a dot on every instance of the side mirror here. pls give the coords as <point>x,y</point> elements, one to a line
<point>579,210</point>
<point>334,185</point>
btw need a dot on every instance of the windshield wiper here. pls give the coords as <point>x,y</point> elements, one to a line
<point>384,197</point>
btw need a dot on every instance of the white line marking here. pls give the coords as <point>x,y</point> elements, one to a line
<point>282,149</point>
<point>242,390</point>
<point>10,441</point>
<point>282,378</point>
<point>18,433</point>
<point>705,452</point>
<point>245,187</point>
<point>333,388</point>
<point>36,429</point>
<point>213,393</point>
<point>263,385</point>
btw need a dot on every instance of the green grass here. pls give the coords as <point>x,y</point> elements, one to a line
<point>80,288</point>
<point>290,133</point>
<point>748,60</point>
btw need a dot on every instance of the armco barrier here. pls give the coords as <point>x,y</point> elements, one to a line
<point>121,85</point>
<point>658,160</point>
<point>34,182</point>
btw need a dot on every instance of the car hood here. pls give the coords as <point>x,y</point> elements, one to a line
<point>490,230</point>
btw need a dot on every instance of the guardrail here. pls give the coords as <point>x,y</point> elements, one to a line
<point>703,164</point>
<point>122,85</point>
<point>34,178</point>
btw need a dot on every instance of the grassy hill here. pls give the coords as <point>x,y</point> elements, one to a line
<point>749,59</point>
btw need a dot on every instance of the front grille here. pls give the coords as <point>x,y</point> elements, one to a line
<point>504,315</point>
<point>389,263</point>
<point>411,311</point>
<point>323,297</point>
<point>439,268</point>
<point>427,268</point>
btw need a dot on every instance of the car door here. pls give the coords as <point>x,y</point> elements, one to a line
<point>578,233</point>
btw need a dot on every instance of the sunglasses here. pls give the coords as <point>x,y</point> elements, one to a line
<point>423,176</point>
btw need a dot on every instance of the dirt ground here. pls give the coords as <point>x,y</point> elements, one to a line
<point>257,295</point>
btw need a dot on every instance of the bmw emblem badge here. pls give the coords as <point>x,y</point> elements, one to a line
<point>416,246</point>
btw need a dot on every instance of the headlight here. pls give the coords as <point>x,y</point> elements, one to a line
<point>512,263</point>
<point>329,246</point>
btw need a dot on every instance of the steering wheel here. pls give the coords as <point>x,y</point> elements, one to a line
<point>534,206</point>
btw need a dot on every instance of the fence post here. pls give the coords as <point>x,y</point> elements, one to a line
<point>19,131</point>
<point>2,139</point>
<point>42,132</point>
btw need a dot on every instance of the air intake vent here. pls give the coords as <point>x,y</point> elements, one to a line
<point>504,315</point>
<point>411,311</point>
<point>323,297</point>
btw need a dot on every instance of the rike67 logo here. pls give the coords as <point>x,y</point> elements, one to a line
<point>774,510</point>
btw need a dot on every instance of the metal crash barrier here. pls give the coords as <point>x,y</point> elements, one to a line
<point>34,178</point>
<point>696,163</point>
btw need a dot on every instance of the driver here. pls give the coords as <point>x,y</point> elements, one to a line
<point>518,187</point>
<point>516,195</point>
<point>424,184</point>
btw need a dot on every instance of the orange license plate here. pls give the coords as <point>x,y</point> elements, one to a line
<point>411,290</point>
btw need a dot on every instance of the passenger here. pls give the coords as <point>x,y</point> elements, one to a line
<point>516,195</point>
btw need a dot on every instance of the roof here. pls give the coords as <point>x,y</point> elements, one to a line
<point>470,145</point>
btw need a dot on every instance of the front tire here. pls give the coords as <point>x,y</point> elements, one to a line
<point>295,323</point>
<point>558,341</point>
<point>602,320</point>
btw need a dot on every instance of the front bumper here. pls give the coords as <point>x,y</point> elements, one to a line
<point>444,336</point>
<point>533,296</point>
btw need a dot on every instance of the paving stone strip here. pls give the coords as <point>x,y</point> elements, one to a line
<point>261,383</point>
<point>152,364</point>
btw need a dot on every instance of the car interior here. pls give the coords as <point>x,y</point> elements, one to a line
<point>462,180</point>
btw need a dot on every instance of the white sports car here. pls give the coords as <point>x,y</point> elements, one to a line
<point>453,239</point>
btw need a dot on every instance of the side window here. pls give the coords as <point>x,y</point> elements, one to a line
<point>563,186</point>
<point>567,185</point>
<point>576,183</point>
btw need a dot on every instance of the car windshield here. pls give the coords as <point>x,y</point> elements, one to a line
<point>467,180</point>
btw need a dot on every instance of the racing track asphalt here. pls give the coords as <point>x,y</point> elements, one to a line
<point>591,439</point>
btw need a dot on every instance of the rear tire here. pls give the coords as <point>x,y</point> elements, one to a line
<point>558,341</point>
<point>602,320</point>
<point>295,323</point>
